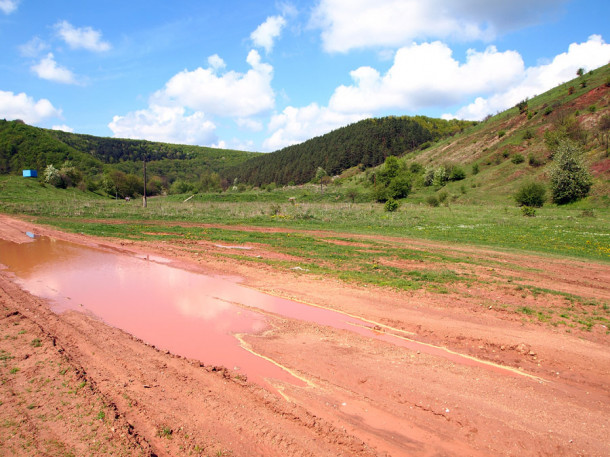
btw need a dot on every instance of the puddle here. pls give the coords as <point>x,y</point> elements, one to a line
<point>187,313</point>
<point>176,310</point>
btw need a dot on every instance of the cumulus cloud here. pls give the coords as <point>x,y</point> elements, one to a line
<point>425,75</point>
<point>266,33</point>
<point>33,48</point>
<point>204,92</point>
<point>82,37</point>
<point>216,62</point>
<point>48,69</point>
<point>8,6</point>
<point>169,124</point>
<point>24,107</point>
<point>63,128</point>
<point>351,24</point>
<point>230,94</point>
<point>536,80</point>
<point>295,125</point>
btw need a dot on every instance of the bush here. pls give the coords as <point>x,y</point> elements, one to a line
<point>528,134</point>
<point>531,194</point>
<point>475,168</point>
<point>429,177</point>
<point>528,211</point>
<point>534,161</point>
<point>391,205</point>
<point>440,176</point>
<point>432,201</point>
<point>442,196</point>
<point>399,187</point>
<point>517,159</point>
<point>457,174</point>
<point>501,133</point>
<point>570,180</point>
<point>181,187</point>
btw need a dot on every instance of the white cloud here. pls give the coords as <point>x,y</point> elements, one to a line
<point>266,33</point>
<point>216,62</point>
<point>230,94</point>
<point>48,69</point>
<point>63,128</point>
<point>351,24</point>
<point>33,48</point>
<point>24,107</point>
<point>295,125</point>
<point>166,124</point>
<point>82,37</point>
<point>424,75</point>
<point>8,6</point>
<point>250,124</point>
<point>536,80</point>
<point>204,93</point>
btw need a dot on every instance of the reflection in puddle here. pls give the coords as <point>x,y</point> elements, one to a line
<point>173,309</point>
<point>189,314</point>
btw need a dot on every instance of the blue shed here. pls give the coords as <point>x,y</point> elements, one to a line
<point>30,173</point>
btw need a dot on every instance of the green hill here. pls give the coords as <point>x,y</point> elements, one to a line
<point>366,143</point>
<point>23,146</point>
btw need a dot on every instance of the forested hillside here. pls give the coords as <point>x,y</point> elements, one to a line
<point>23,146</point>
<point>365,143</point>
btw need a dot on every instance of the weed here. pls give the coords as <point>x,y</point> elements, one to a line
<point>165,432</point>
<point>36,342</point>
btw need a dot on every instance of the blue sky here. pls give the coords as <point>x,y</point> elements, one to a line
<point>263,75</point>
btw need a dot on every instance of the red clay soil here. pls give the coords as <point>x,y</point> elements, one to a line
<point>546,394</point>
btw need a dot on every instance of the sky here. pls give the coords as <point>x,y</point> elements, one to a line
<point>262,75</point>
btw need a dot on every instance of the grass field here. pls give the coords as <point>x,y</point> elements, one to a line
<point>567,230</point>
<point>336,249</point>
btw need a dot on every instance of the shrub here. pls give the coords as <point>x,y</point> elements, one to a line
<point>391,205</point>
<point>440,176</point>
<point>52,176</point>
<point>416,168</point>
<point>528,134</point>
<point>501,133</point>
<point>429,177</point>
<point>457,174</point>
<point>399,187</point>
<point>528,211</point>
<point>442,196</point>
<point>570,180</point>
<point>534,161</point>
<point>531,194</point>
<point>181,187</point>
<point>475,168</point>
<point>517,159</point>
<point>432,201</point>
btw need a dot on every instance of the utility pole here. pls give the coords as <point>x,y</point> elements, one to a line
<point>144,197</point>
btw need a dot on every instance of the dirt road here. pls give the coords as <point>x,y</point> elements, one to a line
<point>86,388</point>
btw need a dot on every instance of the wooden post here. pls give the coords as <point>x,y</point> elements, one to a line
<point>144,197</point>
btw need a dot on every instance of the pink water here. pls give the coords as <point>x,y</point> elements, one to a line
<point>187,313</point>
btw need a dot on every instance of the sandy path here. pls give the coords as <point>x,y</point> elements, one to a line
<point>365,397</point>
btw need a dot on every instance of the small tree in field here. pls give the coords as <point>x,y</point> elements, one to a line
<point>570,179</point>
<point>320,175</point>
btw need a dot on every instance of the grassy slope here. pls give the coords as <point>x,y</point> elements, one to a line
<point>499,177</point>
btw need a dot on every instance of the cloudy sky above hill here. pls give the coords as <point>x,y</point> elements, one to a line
<point>264,75</point>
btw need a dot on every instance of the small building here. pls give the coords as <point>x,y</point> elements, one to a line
<point>30,173</point>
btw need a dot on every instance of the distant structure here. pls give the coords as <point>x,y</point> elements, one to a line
<point>30,173</point>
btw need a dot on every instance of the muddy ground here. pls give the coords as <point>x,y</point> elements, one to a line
<point>71,385</point>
